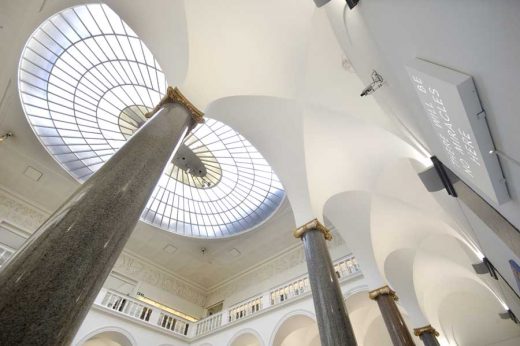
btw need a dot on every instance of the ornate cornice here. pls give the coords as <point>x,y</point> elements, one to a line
<point>385,290</point>
<point>174,95</point>
<point>426,329</point>
<point>312,225</point>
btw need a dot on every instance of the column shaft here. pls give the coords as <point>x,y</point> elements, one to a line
<point>49,285</point>
<point>394,321</point>
<point>429,339</point>
<point>428,335</point>
<point>333,322</point>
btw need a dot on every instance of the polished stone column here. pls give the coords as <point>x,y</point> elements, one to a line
<point>49,285</point>
<point>333,322</point>
<point>394,321</point>
<point>428,335</point>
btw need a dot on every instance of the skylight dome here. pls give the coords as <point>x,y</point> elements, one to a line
<point>86,80</point>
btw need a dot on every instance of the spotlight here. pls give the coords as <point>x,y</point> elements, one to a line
<point>351,3</point>
<point>5,136</point>
<point>509,315</point>
<point>485,267</point>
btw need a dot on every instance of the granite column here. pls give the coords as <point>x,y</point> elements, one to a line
<point>47,288</point>
<point>428,335</point>
<point>394,321</point>
<point>333,322</point>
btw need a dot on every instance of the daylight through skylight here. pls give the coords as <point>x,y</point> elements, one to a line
<point>86,80</point>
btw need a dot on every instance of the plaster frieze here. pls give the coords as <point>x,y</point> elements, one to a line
<point>19,213</point>
<point>131,266</point>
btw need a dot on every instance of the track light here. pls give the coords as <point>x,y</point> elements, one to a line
<point>351,3</point>
<point>509,315</point>
<point>485,267</point>
<point>5,136</point>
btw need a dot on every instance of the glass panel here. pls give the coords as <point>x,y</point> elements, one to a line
<point>87,80</point>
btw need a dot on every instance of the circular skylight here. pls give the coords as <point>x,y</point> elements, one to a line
<point>86,80</point>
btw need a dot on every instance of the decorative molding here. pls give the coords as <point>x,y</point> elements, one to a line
<point>15,211</point>
<point>385,290</point>
<point>165,270</point>
<point>131,266</point>
<point>312,225</point>
<point>174,95</point>
<point>426,329</point>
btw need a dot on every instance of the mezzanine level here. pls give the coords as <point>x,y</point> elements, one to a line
<point>137,311</point>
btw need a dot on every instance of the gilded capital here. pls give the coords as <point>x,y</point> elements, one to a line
<point>312,225</point>
<point>426,329</point>
<point>174,95</point>
<point>374,294</point>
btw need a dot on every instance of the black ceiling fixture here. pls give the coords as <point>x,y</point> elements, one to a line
<point>351,3</point>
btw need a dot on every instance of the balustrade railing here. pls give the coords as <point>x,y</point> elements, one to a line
<point>209,324</point>
<point>244,309</point>
<point>290,290</point>
<point>173,323</point>
<point>127,306</point>
<point>347,266</point>
<point>144,312</point>
<point>149,314</point>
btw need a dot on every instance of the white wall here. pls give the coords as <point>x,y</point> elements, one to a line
<point>98,321</point>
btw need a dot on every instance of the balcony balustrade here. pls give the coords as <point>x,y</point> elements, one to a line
<point>138,310</point>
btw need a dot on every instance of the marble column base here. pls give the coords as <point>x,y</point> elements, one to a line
<point>333,321</point>
<point>394,321</point>
<point>47,288</point>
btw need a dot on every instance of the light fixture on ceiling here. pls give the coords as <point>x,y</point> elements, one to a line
<point>351,3</point>
<point>207,259</point>
<point>377,82</point>
<point>485,267</point>
<point>5,136</point>
<point>509,315</point>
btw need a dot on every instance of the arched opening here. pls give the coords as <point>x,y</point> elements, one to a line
<point>297,330</point>
<point>246,339</point>
<point>456,299</point>
<point>108,338</point>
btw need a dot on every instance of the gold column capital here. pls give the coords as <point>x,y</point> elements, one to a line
<point>174,95</point>
<point>381,291</point>
<point>313,224</point>
<point>426,329</point>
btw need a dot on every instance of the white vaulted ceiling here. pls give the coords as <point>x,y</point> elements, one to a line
<point>211,51</point>
<point>272,70</point>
